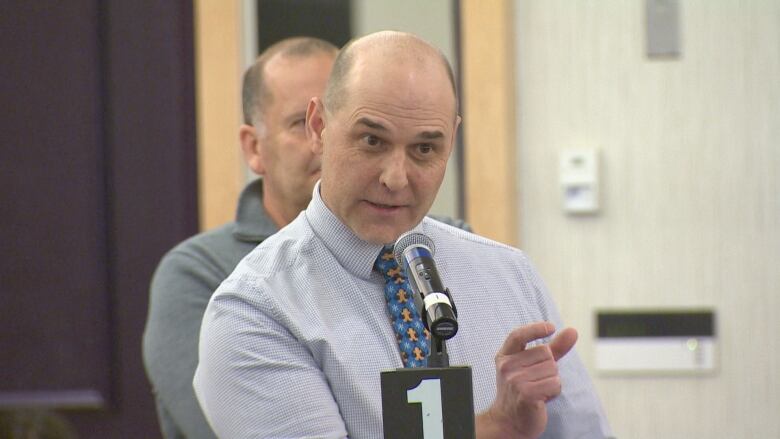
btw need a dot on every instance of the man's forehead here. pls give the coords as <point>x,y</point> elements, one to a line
<point>422,99</point>
<point>281,64</point>
<point>404,83</point>
<point>402,50</point>
<point>420,130</point>
<point>287,73</point>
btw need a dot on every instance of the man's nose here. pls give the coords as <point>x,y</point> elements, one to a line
<point>394,174</point>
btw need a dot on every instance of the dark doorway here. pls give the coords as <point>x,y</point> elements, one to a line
<point>325,19</point>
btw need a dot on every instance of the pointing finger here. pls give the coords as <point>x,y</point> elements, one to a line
<point>563,342</point>
<point>517,340</point>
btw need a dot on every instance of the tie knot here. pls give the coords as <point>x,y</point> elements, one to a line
<point>385,259</point>
<point>386,264</point>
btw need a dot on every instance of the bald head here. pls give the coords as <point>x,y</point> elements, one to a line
<point>387,47</point>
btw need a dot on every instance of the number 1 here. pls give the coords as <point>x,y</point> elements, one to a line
<point>428,394</point>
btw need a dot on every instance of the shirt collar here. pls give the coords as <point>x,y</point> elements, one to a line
<point>354,254</point>
<point>252,221</point>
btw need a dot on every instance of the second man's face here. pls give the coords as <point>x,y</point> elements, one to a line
<point>291,169</point>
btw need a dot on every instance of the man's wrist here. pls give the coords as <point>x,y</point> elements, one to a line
<point>491,424</point>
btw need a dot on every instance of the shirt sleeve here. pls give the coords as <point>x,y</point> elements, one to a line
<point>179,293</point>
<point>577,411</point>
<point>255,380</point>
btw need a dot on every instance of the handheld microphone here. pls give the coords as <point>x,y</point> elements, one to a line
<point>414,253</point>
<point>447,408</point>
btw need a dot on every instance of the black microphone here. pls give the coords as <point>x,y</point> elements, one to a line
<point>414,253</point>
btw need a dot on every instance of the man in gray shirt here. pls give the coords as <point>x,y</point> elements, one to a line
<point>293,342</point>
<point>276,91</point>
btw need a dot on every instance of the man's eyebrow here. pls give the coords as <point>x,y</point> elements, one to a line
<point>371,124</point>
<point>430,135</point>
<point>425,135</point>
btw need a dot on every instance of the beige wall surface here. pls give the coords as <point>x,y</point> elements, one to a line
<point>690,207</point>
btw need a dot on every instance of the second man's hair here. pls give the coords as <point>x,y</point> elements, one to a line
<point>255,94</point>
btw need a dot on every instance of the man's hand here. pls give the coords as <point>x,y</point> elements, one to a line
<point>526,378</point>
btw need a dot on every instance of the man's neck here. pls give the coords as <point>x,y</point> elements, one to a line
<point>280,214</point>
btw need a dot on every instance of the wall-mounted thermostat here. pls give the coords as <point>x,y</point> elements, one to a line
<point>579,175</point>
<point>650,342</point>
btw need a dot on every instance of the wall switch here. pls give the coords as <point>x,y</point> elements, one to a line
<point>579,170</point>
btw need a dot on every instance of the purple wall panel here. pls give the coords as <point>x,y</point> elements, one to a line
<point>54,269</point>
<point>98,178</point>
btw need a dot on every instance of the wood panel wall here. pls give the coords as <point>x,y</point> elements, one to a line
<point>218,70</point>
<point>488,102</point>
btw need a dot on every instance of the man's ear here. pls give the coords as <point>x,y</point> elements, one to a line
<point>251,146</point>
<point>315,124</point>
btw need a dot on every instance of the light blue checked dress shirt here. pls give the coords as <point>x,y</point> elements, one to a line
<point>292,343</point>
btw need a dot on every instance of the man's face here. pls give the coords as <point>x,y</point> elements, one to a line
<point>289,167</point>
<point>385,150</point>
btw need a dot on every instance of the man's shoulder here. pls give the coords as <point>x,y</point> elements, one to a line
<point>455,222</point>
<point>455,244</point>
<point>290,247</point>
<point>450,233</point>
<point>217,235</point>
<point>214,250</point>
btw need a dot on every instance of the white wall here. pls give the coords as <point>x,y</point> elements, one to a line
<point>690,149</point>
<point>432,20</point>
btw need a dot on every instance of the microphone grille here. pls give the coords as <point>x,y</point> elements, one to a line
<point>409,239</point>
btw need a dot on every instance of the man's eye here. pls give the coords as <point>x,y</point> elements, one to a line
<point>371,140</point>
<point>297,123</point>
<point>425,148</point>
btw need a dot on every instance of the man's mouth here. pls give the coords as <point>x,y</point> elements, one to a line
<point>383,206</point>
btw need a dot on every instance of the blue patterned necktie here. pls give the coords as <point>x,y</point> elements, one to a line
<point>413,338</point>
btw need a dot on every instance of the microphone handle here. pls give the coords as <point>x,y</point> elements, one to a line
<point>440,316</point>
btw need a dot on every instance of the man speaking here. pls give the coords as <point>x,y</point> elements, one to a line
<point>293,342</point>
